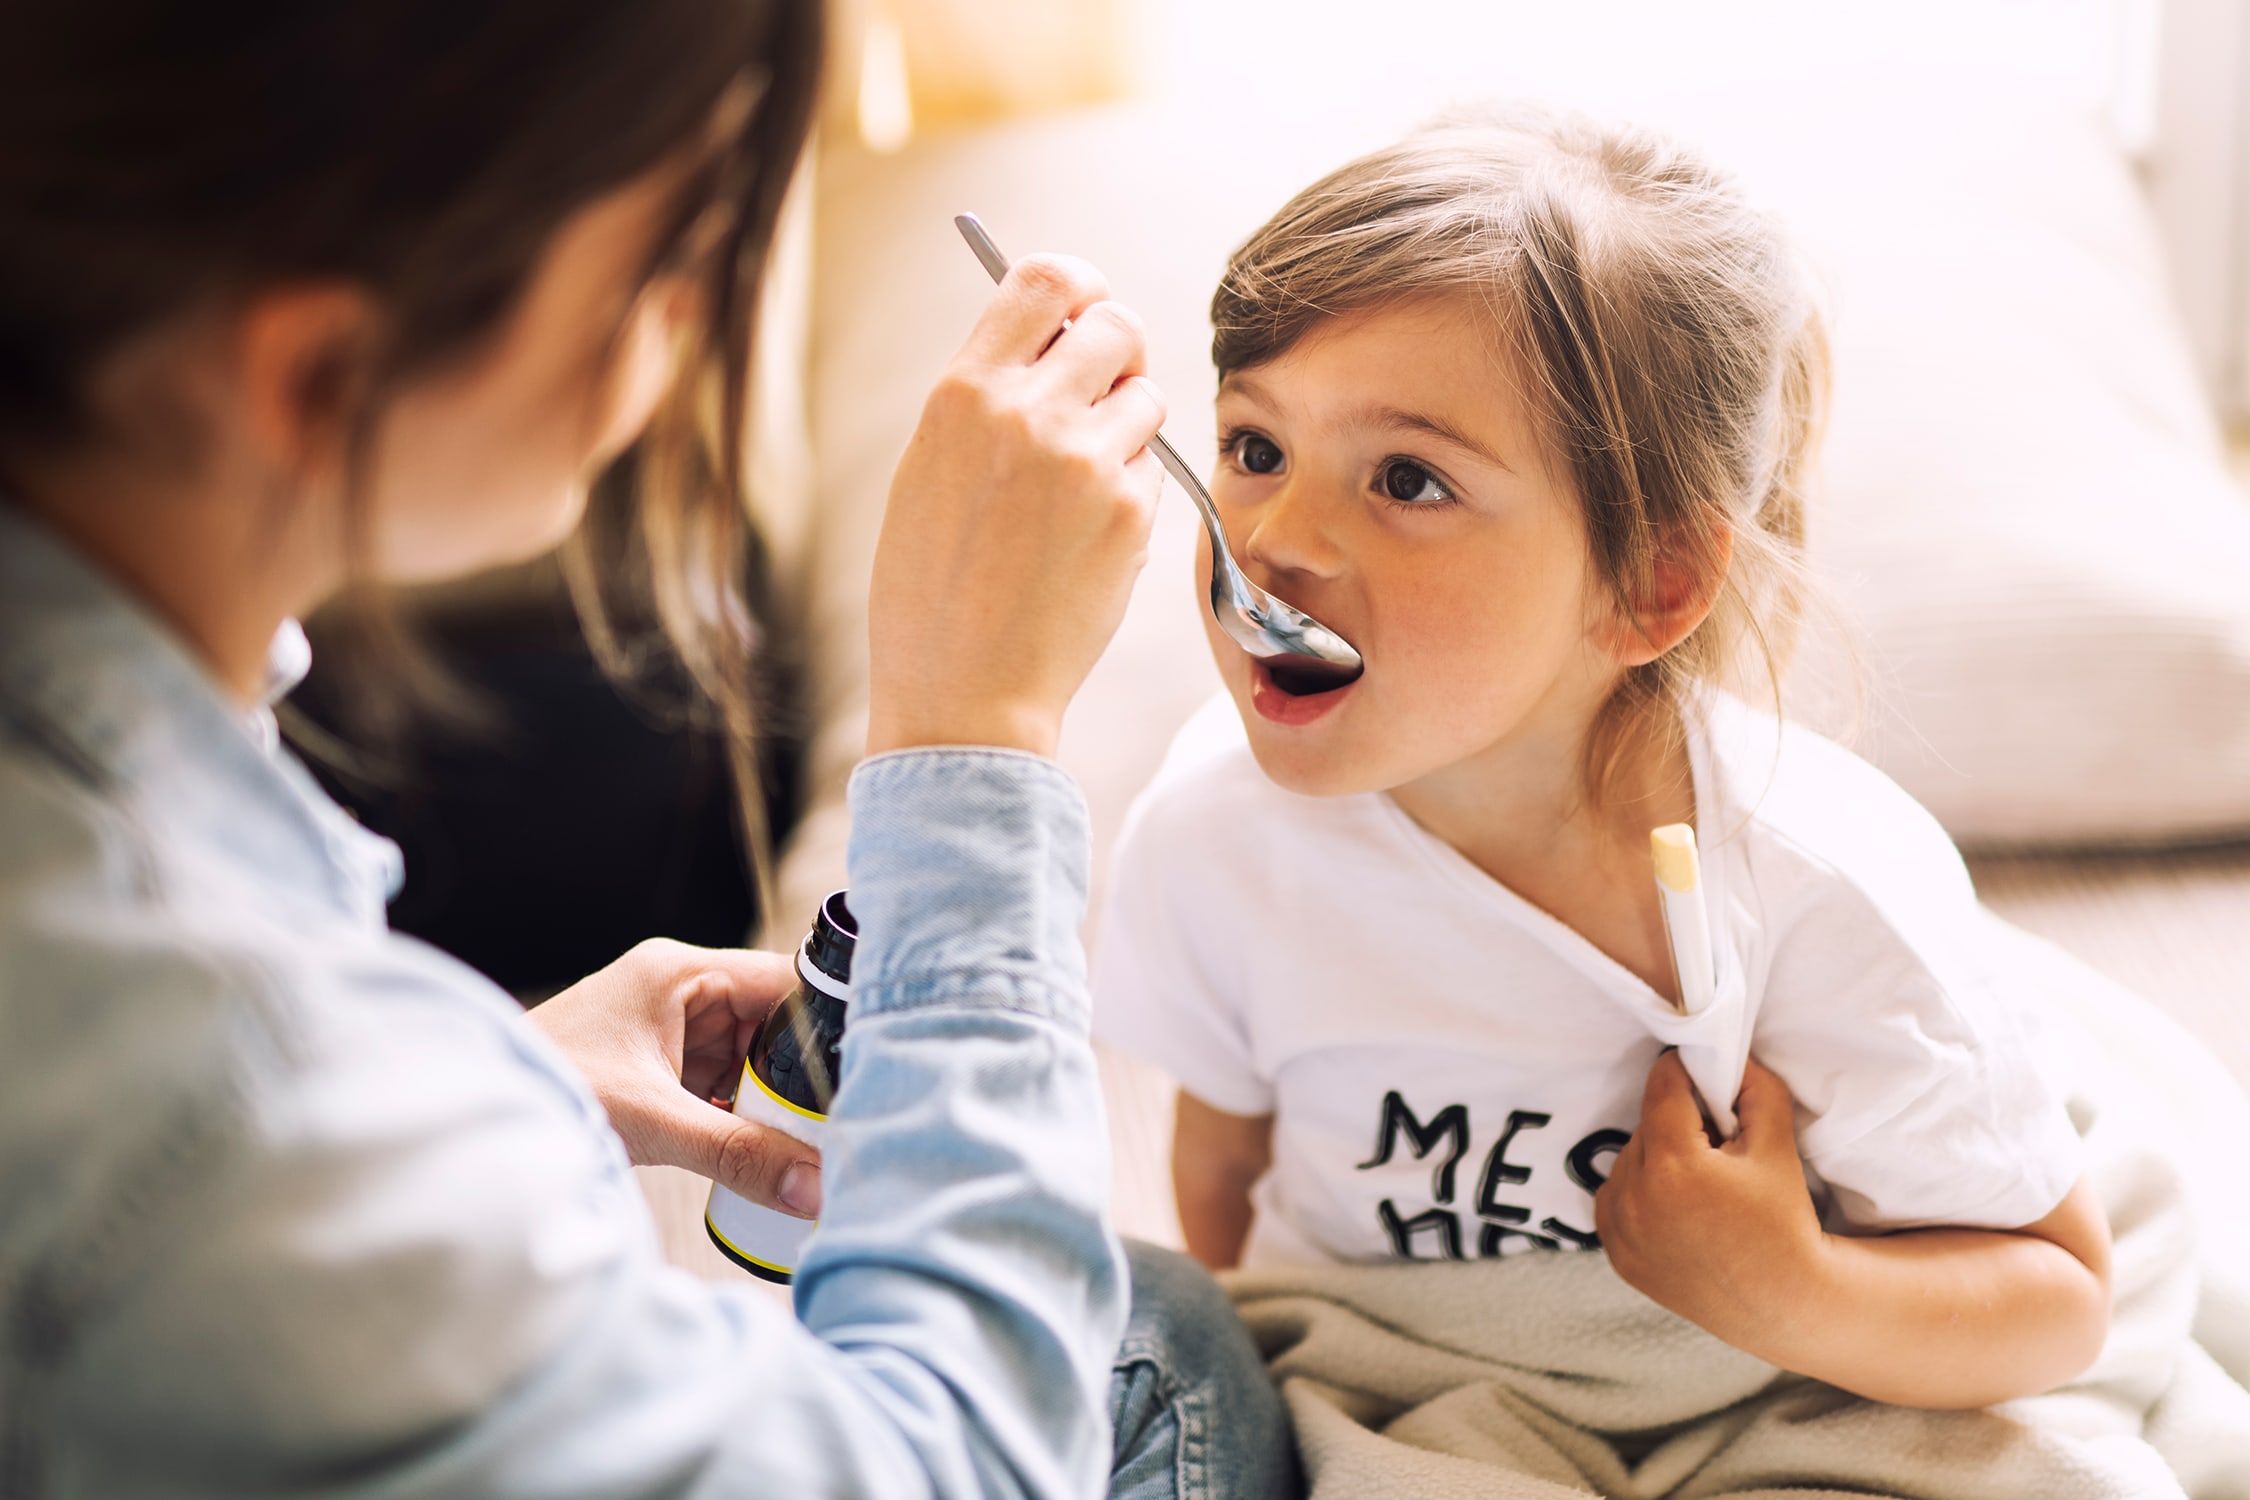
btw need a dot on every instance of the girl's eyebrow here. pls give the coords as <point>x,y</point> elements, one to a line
<point>1429,424</point>
<point>1376,414</point>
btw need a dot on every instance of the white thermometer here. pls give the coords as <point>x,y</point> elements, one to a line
<point>1714,1055</point>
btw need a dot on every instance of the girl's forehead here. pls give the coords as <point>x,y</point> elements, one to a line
<point>1435,339</point>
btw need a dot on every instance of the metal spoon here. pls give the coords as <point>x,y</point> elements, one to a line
<point>1310,655</point>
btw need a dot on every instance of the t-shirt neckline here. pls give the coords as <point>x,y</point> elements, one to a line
<point>1609,976</point>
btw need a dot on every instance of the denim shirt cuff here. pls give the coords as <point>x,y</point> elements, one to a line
<point>969,878</point>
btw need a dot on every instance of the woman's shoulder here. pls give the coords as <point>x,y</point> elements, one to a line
<point>143,972</point>
<point>158,1014</point>
<point>99,911</point>
<point>124,1029</point>
<point>54,829</point>
<point>88,931</point>
<point>198,1092</point>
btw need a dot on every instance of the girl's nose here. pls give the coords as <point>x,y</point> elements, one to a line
<point>1289,533</point>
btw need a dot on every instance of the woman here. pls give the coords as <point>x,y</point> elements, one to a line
<point>295,299</point>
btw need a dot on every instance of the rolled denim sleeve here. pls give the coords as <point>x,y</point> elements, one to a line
<point>968,876</point>
<point>965,1262</point>
<point>367,1236</point>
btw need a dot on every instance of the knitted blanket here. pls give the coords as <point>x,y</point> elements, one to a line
<point>1543,1376</point>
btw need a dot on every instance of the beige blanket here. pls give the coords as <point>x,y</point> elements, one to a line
<point>1544,1376</point>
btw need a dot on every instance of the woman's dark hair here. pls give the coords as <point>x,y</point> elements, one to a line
<point>158,158</point>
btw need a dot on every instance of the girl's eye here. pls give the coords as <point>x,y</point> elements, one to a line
<point>1256,454</point>
<point>1405,482</point>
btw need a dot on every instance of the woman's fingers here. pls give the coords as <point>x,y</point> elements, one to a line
<point>1018,519</point>
<point>654,1034</point>
<point>670,1127</point>
<point>726,986</point>
<point>1103,346</point>
<point>1147,477</point>
<point>1038,295</point>
<point>1129,417</point>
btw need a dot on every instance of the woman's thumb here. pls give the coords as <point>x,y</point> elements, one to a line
<point>762,1164</point>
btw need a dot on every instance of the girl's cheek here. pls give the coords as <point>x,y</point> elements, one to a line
<point>1474,619</point>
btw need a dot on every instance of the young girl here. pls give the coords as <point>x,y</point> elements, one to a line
<point>1524,409</point>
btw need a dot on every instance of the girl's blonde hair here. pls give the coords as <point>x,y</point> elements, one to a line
<point>1666,337</point>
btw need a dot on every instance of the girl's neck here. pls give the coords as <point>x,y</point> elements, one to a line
<point>1520,809</point>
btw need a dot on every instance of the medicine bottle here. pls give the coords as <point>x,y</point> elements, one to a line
<point>787,1082</point>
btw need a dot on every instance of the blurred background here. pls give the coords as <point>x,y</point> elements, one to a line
<point>2032,225</point>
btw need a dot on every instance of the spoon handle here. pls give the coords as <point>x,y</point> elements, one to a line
<point>980,244</point>
<point>1178,468</point>
<point>996,266</point>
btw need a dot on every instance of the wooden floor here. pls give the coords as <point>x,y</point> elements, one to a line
<point>2173,926</point>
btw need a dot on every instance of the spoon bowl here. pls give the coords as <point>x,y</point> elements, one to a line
<point>1270,629</point>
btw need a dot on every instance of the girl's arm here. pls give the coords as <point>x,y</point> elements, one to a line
<point>1727,1237</point>
<point>1216,1159</point>
<point>1957,1317</point>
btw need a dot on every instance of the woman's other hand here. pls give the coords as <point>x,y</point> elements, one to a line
<point>660,1034</point>
<point>1018,519</point>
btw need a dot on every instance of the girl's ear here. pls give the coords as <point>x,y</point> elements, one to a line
<point>1680,596</point>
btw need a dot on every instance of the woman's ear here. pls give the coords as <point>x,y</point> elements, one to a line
<point>304,358</point>
<point>1682,590</point>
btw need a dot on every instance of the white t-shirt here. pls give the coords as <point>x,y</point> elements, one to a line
<point>1451,1070</point>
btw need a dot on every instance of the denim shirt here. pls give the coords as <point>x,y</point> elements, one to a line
<point>293,1205</point>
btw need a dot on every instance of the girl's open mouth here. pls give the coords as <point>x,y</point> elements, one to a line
<point>1294,690</point>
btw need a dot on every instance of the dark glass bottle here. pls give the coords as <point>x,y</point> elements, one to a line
<point>788,1080</point>
<point>799,1050</point>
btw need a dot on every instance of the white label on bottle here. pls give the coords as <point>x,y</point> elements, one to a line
<point>764,1236</point>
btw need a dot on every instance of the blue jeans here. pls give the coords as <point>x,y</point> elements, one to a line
<point>1195,1416</point>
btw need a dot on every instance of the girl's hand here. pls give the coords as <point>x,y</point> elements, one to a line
<point>1725,1236</point>
<point>660,1034</point>
<point>1018,519</point>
